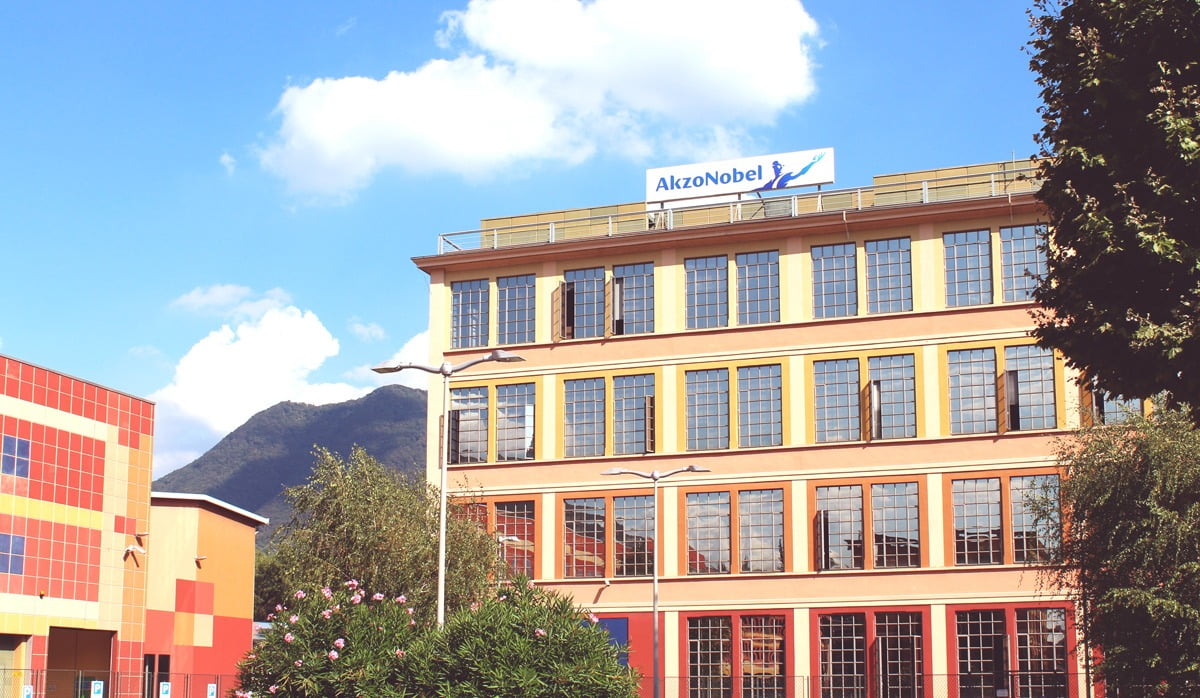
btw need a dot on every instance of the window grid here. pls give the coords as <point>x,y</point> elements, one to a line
<point>972,391</point>
<point>637,301</point>
<point>968,267</point>
<point>835,281</point>
<point>14,456</point>
<point>764,650</point>
<point>707,292</point>
<point>633,530</point>
<point>897,394</point>
<point>469,425</point>
<point>1041,652</point>
<point>1023,260</point>
<point>12,554</point>
<point>583,537</point>
<point>710,657</point>
<point>760,406</point>
<point>1033,540</point>
<point>980,639</point>
<point>707,409</point>
<point>840,527</point>
<point>469,313</point>
<point>837,400</point>
<point>514,422</point>
<point>898,636</point>
<point>760,530</point>
<point>515,531</point>
<point>889,275</point>
<point>515,299</point>
<point>1119,410</point>
<point>589,301</point>
<point>708,527</point>
<point>896,523</point>
<point>978,537</point>
<point>843,655</point>
<point>629,412</point>
<point>758,287</point>
<point>1035,386</point>
<point>583,417</point>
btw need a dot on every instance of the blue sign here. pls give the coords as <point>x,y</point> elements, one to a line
<point>97,689</point>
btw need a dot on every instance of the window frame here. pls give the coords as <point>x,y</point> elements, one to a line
<point>836,287</point>
<point>737,674</point>
<point>998,384</point>
<point>491,432</point>
<point>735,533</point>
<point>469,329</point>
<point>733,436</point>
<point>610,543</point>
<point>951,273</point>
<point>1007,542</point>
<point>1014,287</point>
<point>465,505</point>
<point>870,637</point>
<point>516,309</point>
<point>718,316</point>
<point>749,312</point>
<point>868,518</point>
<point>873,277</point>
<point>1009,612</point>
<point>652,412</point>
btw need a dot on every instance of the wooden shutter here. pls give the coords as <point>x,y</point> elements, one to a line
<point>650,430</point>
<point>609,313</point>
<point>1089,412</point>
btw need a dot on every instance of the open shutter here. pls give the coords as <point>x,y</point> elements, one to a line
<point>1002,403</point>
<point>1090,413</point>
<point>820,536</point>
<point>556,313</point>
<point>451,421</point>
<point>617,304</point>
<point>650,432</point>
<point>609,309</point>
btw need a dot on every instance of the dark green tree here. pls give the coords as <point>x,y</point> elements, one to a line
<point>1130,549</point>
<point>269,588</point>
<point>357,519</point>
<point>1120,144</point>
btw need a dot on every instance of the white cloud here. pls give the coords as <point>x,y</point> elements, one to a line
<point>231,300</point>
<point>239,369</point>
<point>345,27</point>
<point>228,162</point>
<point>554,81</point>
<point>366,331</point>
<point>415,350</point>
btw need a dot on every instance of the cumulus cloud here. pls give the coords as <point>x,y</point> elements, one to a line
<point>553,81</point>
<point>228,162</point>
<point>415,350</point>
<point>265,353</point>
<point>366,331</point>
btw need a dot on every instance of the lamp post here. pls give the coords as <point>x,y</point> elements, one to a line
<point>654,476</point>
<point>445,371</point>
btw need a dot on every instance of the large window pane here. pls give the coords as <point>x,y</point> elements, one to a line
<point>1034,538</point>
<point>837,400</point>
<point>583,418</point>
<point>710,657</point>
<point>889,275</point>
<point>1042,652</point>
<point>760,406</point>
<point>708,531</point>
<point>630,403</point>
<point>981,648</point>
<point>516,302</point>
<point>707,292</point>
<point>707,409</point>
<point>843,662</point>
<point>972,391</point>
<point>469,313</point>
<point>764,651</point>
<point>633,530</point>
<point>1023,259</point>
<point>514,422</point>
<point>895,380</point>
<point>968,267</point>
<point>469,425</point>
<point>758,287</point>
<point>835,281</point>
<point>515,531</point>
<point>760,530</point>
<point>839,533</point>
<point>588,296</point>
<point>583,537</point>
<point>898,649</point>
<point>896,520</point>
<point>636,283</point>
<point>977,535</point>
<point>1034,367</point>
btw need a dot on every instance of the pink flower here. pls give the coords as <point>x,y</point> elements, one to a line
<point>410,610</point>
<point>377,597</point>
<point>339,643</point>
<point>529,584</point>
<point>270,616</point>
<point>593,618</point>
<point>327,593</point>
<point>326,613</point>
<point>357,598</point>
<point>299,662</point>
<point>400,653</point>
<point>293,619</point>
<point>300,594</point>
<point>278,607</point>
<point>352,584</point>
<point>333,655</point>
<point>289,637</point>
<point>539,632</point>
<point>273,688</point>
<point>412,621</point>
<point>504,597</point>
<point>474,606</point>
<point>401,598</point>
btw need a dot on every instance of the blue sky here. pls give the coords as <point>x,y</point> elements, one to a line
<point>213,205</point>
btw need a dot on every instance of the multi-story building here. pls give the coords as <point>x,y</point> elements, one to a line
<point>94,597</point>
<point>853,373</point>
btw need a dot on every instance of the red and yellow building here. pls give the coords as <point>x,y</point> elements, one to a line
<point>78,567</point>
<point>852,370</point>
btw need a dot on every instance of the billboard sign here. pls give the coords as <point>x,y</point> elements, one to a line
<point>763,173</point>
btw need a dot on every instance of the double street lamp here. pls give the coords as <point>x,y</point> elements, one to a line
<point>445,371</point>
<point>654,476</point>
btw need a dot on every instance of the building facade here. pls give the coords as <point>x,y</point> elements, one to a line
<point>854,372</point>
<point>77,561</point>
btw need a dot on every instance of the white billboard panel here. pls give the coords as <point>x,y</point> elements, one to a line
<point>743,175</point>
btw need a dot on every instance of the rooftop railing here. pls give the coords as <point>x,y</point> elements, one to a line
<point>999,182</point>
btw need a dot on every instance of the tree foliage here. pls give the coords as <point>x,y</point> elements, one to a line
<point>349,641</point>
<point>1121,183</point>
<point>1130,551</point>
<point>357,519</point>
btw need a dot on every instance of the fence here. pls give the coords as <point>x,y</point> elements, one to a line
<point>73,683</point>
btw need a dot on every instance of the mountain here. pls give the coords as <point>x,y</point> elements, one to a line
<point>252,466</point>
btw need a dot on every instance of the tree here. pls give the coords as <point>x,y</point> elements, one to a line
<point>1120,144</point>
<point>1130,550</point>
<point>269,588</point>
<point>357,519</point>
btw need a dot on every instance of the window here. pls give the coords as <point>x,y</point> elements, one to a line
<point>633,298</point>
<point>1029,387</point>
<point>982,653</point>
<point>1023,260</point>
<point>594,545</point>
<point>760,659</point>
<point>707,292</point>
<point>835,281</point>
<point>1034,537</point>
<point>156,669</point>
<point>893,396</point>
<point>469,313</point>
<point>972,375</point>
<point>758,287</point>
<point>889,275</point>
<point>896,664</point>
<point>514,529</point>
<point>707,409</point>
<point>12,554</point>
<point>758,519</point>
<point>760,406</point>
<point>516,308</point>
<point>986,652</point>
<point>583,302</point>
<point>1042,652</point>
<point>837,407</point>
<point>514,422</point>
<point>1115,409</point>
<point>583,417</point>
<point>968,267</point>
<point>894,510</point>
<point>14,456</point>
<point>633,414</point>
<point>977,534</point>
<point>469,425</point>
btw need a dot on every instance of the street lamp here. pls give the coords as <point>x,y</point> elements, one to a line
<point>654,476</point>
<point>445,371</point>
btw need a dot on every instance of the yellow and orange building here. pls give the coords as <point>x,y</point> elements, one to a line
<point>101,582</point>
<point>853,370</point>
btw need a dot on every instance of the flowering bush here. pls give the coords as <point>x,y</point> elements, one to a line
<point>348,642</point>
